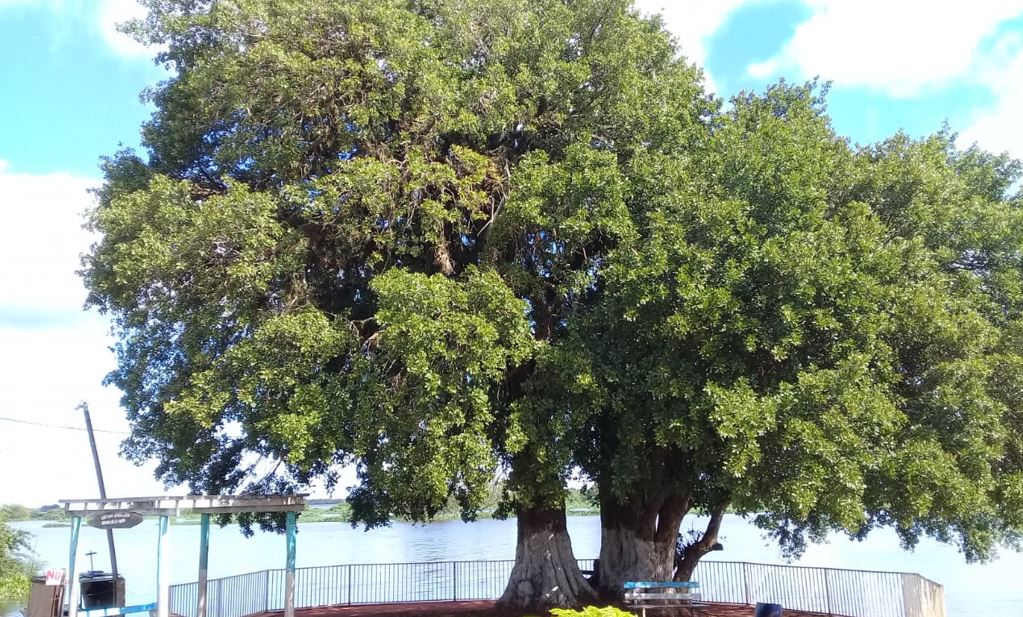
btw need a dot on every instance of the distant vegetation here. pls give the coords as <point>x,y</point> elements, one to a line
<point>15,513</point>
<point>579,502</point>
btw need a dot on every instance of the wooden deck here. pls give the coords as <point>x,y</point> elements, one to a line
<point>481,609</point>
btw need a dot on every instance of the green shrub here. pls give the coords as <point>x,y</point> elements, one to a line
<point>14,569</point>
<point>591,611</point>
<point>14,586</point>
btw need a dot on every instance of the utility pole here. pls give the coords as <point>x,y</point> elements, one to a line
<point>102,494</point>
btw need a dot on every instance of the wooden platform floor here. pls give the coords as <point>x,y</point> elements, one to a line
<point>482,609</point>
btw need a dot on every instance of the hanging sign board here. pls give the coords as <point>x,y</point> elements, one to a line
<point>115,520</point>
<point>56,577</point>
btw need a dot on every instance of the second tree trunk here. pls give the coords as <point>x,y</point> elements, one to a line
<point>637,540</point>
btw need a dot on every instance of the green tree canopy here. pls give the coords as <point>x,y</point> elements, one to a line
<point>443,239</point>
<point>357,227</point>
<point>817,336</point>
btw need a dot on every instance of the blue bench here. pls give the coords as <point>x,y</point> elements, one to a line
<point>644,595</point>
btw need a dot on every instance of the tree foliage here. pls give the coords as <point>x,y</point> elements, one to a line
<point>438,239</point>
<point>818,336</point>
<point>14,571</point>
<point>357,227</point>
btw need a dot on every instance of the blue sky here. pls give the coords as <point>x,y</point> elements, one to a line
<point>69,86</point>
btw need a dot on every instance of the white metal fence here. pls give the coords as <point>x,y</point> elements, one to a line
<point>829,591</point>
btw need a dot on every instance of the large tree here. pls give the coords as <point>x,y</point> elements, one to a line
<point>356,230</point>
<point>817,336</point>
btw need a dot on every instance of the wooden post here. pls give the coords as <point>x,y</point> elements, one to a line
<point>204,560</point>
<point>162,575</point>
<point>289,580</point>
<point>73,588</point>
<point>103,495</point>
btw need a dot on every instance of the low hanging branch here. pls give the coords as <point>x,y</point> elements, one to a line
<point>693,546</point>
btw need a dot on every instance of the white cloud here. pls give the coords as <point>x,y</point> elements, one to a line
<point>113,13</point>
<point>98,17</point>
<point>40,240</point>
<point>693,22</point>
<point>51,354</point>
<point>999,127</point>
<point>46,372</point>
<point>896,47</point>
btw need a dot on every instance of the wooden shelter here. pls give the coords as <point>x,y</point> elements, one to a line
<point>166,507</point>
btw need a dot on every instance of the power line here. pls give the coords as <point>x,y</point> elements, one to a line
<point>60,426</point>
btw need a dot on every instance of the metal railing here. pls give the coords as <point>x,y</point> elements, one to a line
<point>830,591</point>
<point>852,593</point>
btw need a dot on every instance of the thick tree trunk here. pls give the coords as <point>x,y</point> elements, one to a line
<point>546,574</point>
<point>696,551</point>
<point>637,540</point>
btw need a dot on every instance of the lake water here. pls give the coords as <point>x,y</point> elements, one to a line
<point>988,590</point>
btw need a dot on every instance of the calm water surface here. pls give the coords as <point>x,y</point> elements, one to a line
<point>988,590</point>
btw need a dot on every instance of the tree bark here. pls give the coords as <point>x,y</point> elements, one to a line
<point>637,540</point>
<point>696,551</point>
<point>546,574</point>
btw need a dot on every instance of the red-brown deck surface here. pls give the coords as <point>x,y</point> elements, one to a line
<point>483,609</point>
